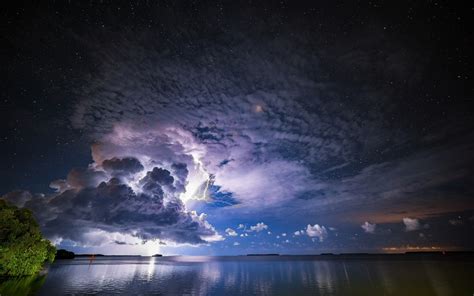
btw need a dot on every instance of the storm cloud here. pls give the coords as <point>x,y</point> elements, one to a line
<point>122,166</point>
<point>275,140</point>
<point>150,210</point>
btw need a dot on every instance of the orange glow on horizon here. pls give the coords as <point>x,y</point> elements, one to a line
<point>408,248</point>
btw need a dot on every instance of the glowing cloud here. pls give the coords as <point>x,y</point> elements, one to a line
<point>231,232</point>
<point>411,224</point>
<point>317,231</point>
<point>258,227</point>
<point>368,228</point>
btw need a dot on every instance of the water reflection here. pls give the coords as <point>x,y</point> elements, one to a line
<point>255,276</point>
<point>21,286</point>
<point>151,267</point>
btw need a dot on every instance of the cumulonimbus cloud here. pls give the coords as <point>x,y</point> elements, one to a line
<point>92,201</point>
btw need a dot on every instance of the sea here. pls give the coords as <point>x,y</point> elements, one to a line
<point>249,275</point>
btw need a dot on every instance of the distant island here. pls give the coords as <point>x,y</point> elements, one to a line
<point>64,254</point>
<point>263,254</point>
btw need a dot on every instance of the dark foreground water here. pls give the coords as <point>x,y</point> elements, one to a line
<point>249,276</point>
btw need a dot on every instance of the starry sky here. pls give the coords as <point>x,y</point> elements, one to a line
<point>234,127</point>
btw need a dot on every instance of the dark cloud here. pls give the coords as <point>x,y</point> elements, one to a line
<point>122,166</point>
<point>160,176</point>
<point>81,178</point>
<point>157,181</point>
<point>18,197</point>
<point>181,174</point>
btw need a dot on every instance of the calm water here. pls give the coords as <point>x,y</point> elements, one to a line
<point>249,276</point>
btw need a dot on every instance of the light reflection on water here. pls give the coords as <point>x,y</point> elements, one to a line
<point>257,276</point>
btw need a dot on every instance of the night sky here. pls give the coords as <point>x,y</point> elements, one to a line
<point>194,127</point>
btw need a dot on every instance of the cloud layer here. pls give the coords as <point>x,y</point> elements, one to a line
<point>274,141</point>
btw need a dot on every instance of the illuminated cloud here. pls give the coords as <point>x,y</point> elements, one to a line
<point>231,232</point>
<point>258,227</point>
<point>317,231</point>
<point>93,203</point>
<point>368,227</point>
<point>411,224</point>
